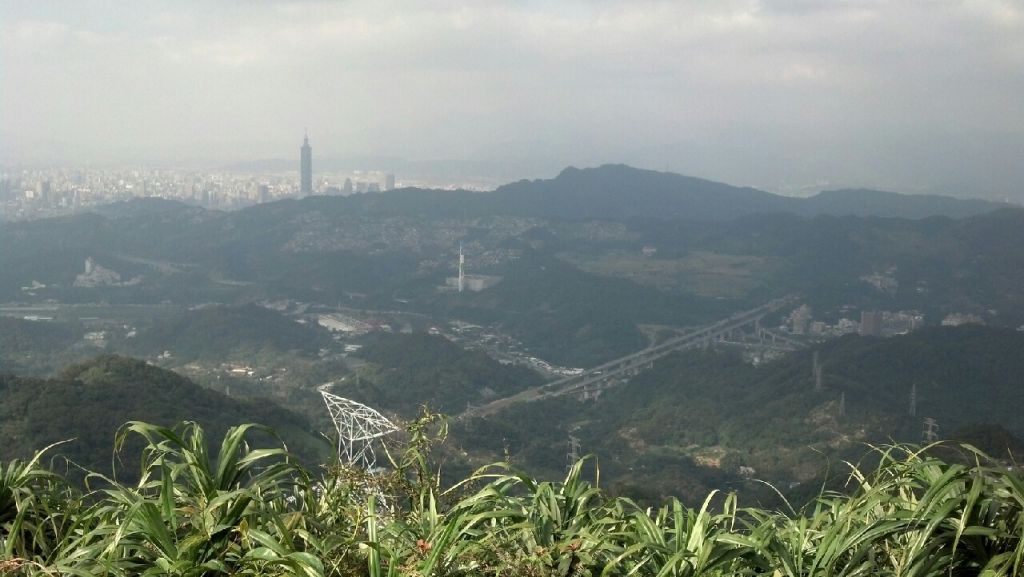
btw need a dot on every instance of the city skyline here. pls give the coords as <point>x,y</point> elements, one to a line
<point>784,95</point>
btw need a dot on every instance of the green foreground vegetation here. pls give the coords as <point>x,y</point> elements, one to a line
<point>254,511</point>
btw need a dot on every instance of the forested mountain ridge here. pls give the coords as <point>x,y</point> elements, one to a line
<point>618,191</point>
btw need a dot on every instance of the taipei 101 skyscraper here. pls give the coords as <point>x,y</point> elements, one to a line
<point>306,168</point>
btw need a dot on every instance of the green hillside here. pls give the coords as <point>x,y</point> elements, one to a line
<point>227,332</point>
<point>29,347</point>
<point>410,371</point>
<point>87,403</point>
<point>695,418</point>
<point>571,317</point>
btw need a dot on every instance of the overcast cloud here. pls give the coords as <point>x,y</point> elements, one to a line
<point>786,95</point>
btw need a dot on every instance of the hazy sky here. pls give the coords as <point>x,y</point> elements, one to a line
<point>785,95</point>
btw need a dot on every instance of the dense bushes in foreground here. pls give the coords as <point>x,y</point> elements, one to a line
<point>248,511</point>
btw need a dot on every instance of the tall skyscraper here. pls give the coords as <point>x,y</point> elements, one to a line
<point>306,168</point>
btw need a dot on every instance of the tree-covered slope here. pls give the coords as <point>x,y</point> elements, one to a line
<point>574,318</point>
<point>89,401</point>
<point>940,265</point>
<point>712,408</point>
<point>30,346</point>
<point>861,202</point>
<point>412,370</point>
<point>227,332</point>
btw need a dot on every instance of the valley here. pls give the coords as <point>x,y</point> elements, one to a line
<point>268,303</point>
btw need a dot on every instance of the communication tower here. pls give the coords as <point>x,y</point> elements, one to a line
<point>462,269</point>
<point>913,400</point>
<point>358,428</point>
<point>842,404</point>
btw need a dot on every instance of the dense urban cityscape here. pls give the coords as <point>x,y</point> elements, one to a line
<point>40,193</point>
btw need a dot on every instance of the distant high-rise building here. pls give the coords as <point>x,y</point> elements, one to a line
<point>306,168</point>
<point>957,319</point>
<point>389,181</point>
<point>348,188</point>
<point>43,191</point>
<point>799,319</point>
<point>262,193</point>
<point>871,323</point>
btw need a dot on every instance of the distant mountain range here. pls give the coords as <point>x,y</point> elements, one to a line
<point>617,191</point>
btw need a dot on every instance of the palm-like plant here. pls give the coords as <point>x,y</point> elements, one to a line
<point>245,511</point>
<point>37,509</point>
<point>678,541</point>
<point>192,515</point>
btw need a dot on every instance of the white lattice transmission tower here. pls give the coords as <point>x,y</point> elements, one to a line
<point>931,430</point>
<point>358,428</point>
<point>462,269</point>
<point>573,453</point>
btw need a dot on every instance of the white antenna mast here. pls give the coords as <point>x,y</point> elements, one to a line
<point>462,269</point>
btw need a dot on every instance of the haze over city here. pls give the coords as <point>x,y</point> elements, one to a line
<point>788,96</point>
